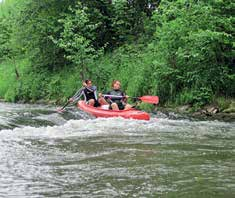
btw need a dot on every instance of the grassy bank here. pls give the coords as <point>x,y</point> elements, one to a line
<point>19,83</point>
<point>182,51</point>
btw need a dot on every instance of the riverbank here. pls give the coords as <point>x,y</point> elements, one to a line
<point>153,56</point>
<point>207,112</point>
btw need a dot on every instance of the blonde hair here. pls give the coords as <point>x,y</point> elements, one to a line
<point>114,81</point>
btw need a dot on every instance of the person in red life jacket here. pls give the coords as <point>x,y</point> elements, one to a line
<point>88,92</point>
<point>116,97</point>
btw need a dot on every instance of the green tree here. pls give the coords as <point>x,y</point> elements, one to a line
<point>77,39</point>
<point>37,23</point>
<point>5,48</point>
<point>192,51</point>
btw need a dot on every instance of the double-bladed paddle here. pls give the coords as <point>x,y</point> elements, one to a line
<point>77,95</point>
<point>65,105</point>
<point>147,99</point>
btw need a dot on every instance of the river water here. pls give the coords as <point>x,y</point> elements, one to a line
<point>46,154</point>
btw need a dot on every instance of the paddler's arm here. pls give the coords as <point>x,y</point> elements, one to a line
<point>94,90</point>
<point>77,95</point>
<point>106,97</point>
<point>125,97</point>
<point>91,89</point>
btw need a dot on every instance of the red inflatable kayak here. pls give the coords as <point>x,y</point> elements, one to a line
<point>105,113</point>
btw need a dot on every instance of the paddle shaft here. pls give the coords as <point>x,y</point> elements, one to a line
<point>147,99</point>
<point>77,93</point>
<point>113,96</point>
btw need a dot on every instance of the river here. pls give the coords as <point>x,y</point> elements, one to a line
<point>47,154</point>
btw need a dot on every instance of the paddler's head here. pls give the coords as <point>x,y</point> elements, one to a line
<point>88,83</point>
<point>116,85</point>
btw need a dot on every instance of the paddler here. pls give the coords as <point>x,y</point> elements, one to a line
<point>89,92</point>
<point>116,98</point>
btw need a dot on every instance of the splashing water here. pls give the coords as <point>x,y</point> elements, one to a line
<point>45,154</point>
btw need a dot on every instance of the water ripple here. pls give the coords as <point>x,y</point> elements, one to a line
<point>114,157</point>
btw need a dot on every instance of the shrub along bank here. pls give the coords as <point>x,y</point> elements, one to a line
<point>180,50</point>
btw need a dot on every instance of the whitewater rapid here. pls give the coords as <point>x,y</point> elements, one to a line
<point>46,154</point>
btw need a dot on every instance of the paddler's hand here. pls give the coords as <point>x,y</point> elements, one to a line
<point>84,84</point>
<point>71,100</point>
<point>126,96</point>
<point>100,95</point>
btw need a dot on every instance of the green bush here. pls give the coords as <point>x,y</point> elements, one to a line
<point>183,51</point>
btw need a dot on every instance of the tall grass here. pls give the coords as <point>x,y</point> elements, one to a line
<point>7,81</point>
<point>9,6</point>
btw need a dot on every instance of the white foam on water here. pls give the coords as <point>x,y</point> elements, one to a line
<point>68,156</point>
<point>119,126</point>
<point>78,128</point>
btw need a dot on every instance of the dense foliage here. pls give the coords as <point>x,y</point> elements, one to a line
<point>181,50</point>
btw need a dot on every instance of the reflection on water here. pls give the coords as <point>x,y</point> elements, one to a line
<point>71,155</point>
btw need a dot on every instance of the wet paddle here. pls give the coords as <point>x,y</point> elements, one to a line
<point>77,95</point>
<point>147,99</point>
<point>62,108</point>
